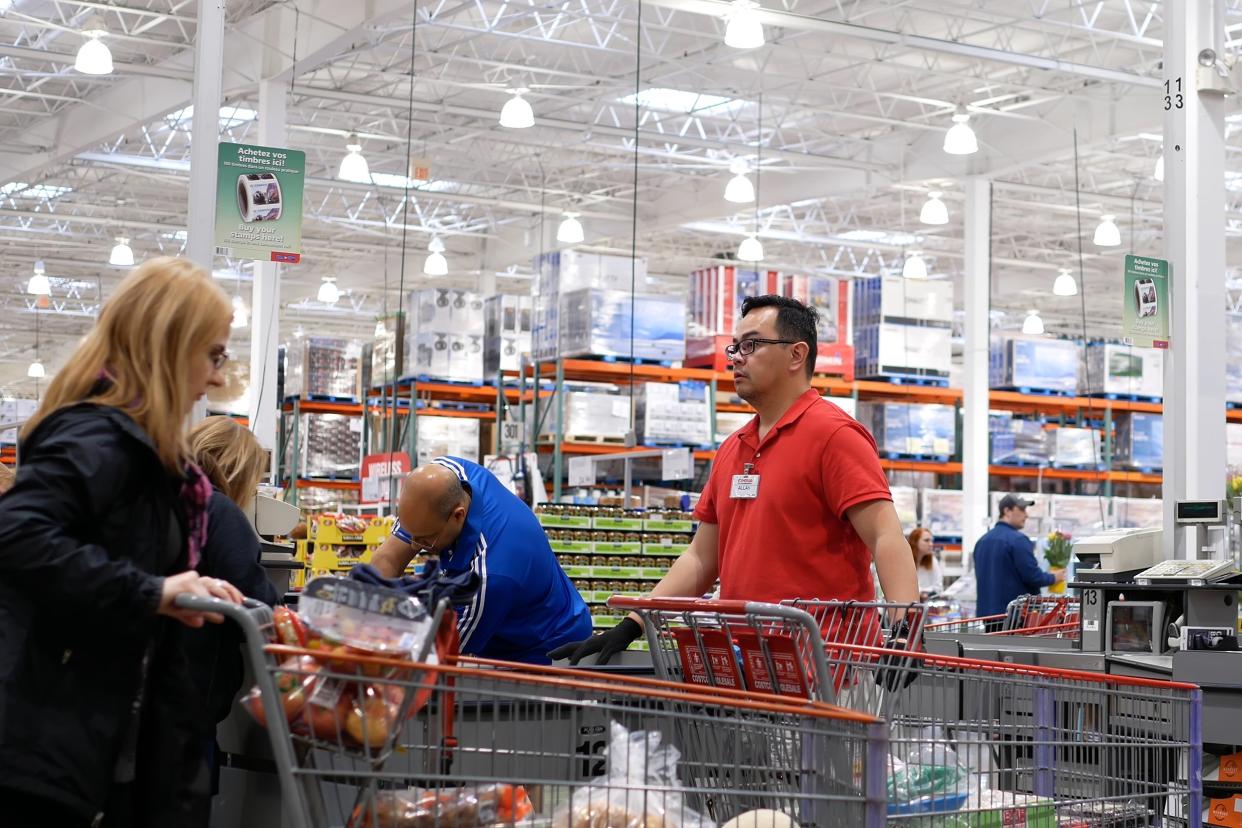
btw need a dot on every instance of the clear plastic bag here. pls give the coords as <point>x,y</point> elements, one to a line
<point>930,771</point>
<point>639,791</point>
<point>469,807</point>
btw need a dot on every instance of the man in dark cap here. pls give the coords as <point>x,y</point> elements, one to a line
<point>1005,566</point>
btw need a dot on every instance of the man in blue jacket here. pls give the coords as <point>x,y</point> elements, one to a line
<point>525,605</point>
<point>1005,566</point>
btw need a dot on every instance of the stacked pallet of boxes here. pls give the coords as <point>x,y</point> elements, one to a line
<point>715,303</point>
<point>1122,371</point>
<point>1034,365</point>
<point>1139,441</point>
<point>595,415</point>
<point>902,328</point>
<point>583,306</point>
<point>323,444</point>
<point>444,335</point>
<point>336,543</point>
<point>323,367</point>
<point>506,333</point>
<point>612,551</point>
<point>673,413</point>
<point>920,430</point>
<point>1017,441</point>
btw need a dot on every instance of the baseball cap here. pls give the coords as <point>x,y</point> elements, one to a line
<point>1011,501</point>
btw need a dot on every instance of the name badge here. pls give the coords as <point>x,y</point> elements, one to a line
<point>745,487</point>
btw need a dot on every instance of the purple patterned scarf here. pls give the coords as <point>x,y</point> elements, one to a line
<point>195,492</point>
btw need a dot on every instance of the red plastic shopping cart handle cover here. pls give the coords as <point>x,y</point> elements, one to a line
<point>682,605</point>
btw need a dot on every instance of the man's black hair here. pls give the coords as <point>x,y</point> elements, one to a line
<point>794,321</point>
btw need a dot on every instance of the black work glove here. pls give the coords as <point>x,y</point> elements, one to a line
<point>607,644</point>
<point>896,672</point>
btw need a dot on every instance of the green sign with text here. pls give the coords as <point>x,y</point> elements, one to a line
<point>1145,321</point>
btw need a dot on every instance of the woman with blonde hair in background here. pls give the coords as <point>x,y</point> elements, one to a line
<point>98,537</point>
<point>234,461</point>
<point>931,577</point>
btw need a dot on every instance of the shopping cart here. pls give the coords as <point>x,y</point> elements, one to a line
<point>1030,616</point>
<point>975,743</point>
<point>488,746</point>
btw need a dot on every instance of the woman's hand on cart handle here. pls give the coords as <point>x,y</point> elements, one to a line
<point>191,583</point>
<point>607,644</point>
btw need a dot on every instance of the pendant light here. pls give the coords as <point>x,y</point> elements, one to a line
<point>122,254</point>
<point>960,139</point>
<point>570,231</point>
<point>329,293</point>
<point>934,210</point>
<point>516,113</point>
<point>39,284</point>
<point>1158,173</point>
<point>435,264</point>
<point>743,29</point>
<point>94,57</point>
<point>1033,324</point>
<point>1106,232</point>
<point>35,371</point>
<point>354,166</point>
<point>751,249</point>
<point>914,266</point>
<point>1065,285</point>
<point>739,190</point>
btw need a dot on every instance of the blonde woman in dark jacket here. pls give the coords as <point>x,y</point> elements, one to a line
<point>98,536</point>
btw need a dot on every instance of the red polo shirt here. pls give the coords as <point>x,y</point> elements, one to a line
<point>793,540</point>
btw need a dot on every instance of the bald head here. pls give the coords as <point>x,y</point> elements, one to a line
<point>433,506</point>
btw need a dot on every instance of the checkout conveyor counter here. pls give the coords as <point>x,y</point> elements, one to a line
<point>1139,617</point>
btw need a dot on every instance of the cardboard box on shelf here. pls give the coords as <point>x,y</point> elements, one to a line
<point>1018,441</point>
<point>1077,514</point>
<point>324,366</point>
<point>1110,368</point>
<point>1140,440</point>
<point>598,322</point>
<point>847,404</point>
<point>588,414</point>
<point>893,349</point>
<point>911,428</point>
<point>728,422</point>
<point>902,301</point>
<point>1078,447</point>
<point>906,502</point>
<point>328,445</point>
<point>673,412</point>
<point>453,436</point>
<point>1138,512</point>
<point>506,332</point>
<point>717,293</point>
<point>1044,364</point>
<point>942,512</point>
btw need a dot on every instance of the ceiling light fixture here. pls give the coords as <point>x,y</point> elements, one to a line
<point>39,284</point>
<point>750,250</point>
<point>354,166</point>
<point>1033,324</point>
<point>934,210</point>
<point>1158,173</point>
<point>1106,232</point>
<point>914,266</point>
<point>35,371</point>
<point>570,231</point>
<point>739,190</point>
<point>329,293</point>
<point>960,139</point>
<point>435,264</point>
<point>122,254</point>
<point>94,57</point>
<point>742,27</point>
<point>241,318</point>
<point>516,113</point>
<point>1065,285</point>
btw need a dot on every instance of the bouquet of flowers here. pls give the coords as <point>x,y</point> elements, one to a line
<point>1059,549</point>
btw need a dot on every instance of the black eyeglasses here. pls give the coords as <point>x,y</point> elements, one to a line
<point>218,358</point>
<point>747,346</point>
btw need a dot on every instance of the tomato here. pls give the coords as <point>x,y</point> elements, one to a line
<point>290,630</point>
<point>370,719</point>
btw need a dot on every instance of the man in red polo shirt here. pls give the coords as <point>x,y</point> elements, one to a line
<point>796,505</point>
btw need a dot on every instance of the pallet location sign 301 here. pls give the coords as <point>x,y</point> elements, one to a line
<point>1145,321</point>
<point>259,202</point>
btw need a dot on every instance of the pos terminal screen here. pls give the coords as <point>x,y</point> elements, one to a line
<point>1132,628</point>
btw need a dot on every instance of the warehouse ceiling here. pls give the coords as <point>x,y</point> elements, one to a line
<point>843,111</point>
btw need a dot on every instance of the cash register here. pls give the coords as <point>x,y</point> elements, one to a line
<point>272,518</point>
<point>1117,554</point>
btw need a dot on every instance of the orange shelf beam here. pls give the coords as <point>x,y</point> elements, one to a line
<point>313,483</point>
<point>323,407</point>
<point>613,448</point>
<point>932,466</point>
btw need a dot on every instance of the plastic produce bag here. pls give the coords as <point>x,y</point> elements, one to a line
<point>930,778</point>
<point>639,790</point>
<point>468,807</point>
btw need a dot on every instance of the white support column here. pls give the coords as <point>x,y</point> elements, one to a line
<point>265,297</point>
<point>205,132</point>
<point>977,281</point>
<point>1194,232</point>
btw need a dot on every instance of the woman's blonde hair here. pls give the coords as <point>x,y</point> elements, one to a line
<point>161,317</point>
<point>230,455</point>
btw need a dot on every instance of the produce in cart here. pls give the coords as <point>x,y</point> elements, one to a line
<point>467,807</point>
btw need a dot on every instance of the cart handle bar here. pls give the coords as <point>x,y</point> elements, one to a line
<point>780,612</point>
<point>963,621</point>
<point>650,688</point>
<point>1062,627</point>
